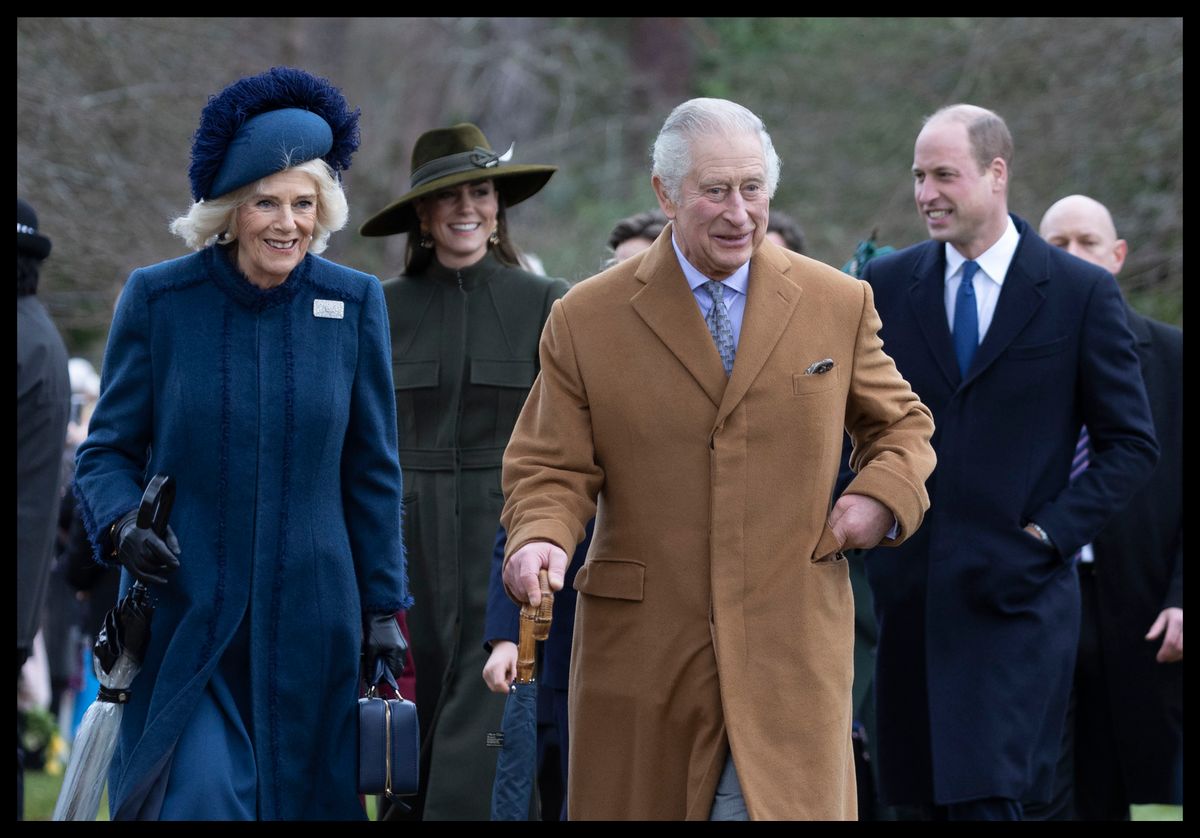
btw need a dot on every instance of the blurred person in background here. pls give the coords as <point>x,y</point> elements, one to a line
<point>1123,742</point>
<point>785,231</point>
<point>634,234</point>
<point>43,408</point>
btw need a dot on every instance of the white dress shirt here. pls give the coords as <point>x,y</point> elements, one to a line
<point>993,265</point>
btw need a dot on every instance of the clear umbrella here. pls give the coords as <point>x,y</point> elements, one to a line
<point>118,652</point>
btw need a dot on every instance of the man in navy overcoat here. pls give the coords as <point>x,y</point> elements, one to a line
<point>979,611</point>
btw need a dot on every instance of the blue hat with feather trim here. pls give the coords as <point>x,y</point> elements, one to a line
<point>264,124</point>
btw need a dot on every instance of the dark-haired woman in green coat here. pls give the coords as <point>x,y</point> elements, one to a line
<point>465,323</point>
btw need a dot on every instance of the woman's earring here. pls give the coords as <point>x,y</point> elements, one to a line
<point>494,238</point>
<point>426,239</point>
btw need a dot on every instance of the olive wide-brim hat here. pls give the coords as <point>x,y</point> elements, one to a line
<point>449,157</point>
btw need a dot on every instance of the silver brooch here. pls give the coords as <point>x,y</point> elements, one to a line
<point>331,309</point>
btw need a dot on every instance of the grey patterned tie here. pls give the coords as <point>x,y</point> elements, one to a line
<point>719,325</point>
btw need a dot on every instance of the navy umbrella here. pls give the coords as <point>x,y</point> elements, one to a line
<point>517,762</point>
<point>118,652</point>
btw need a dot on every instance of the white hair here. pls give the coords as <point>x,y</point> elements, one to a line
<point>215,221</point>
<point>672,156</point>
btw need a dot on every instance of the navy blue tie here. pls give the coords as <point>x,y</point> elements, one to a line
<point>966,319</point>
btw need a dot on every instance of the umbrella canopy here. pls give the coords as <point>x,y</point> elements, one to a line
<point>517,762</point>
<point>118,653</point>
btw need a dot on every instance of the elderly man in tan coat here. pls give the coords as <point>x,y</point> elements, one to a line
<point>693,398</point>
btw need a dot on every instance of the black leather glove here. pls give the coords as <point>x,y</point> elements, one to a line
<point>143,553</point>
<point>382,640</point>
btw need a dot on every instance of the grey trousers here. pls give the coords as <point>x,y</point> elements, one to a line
<point>728,804</point>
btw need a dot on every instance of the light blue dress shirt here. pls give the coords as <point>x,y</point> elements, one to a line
<point>735,303</point>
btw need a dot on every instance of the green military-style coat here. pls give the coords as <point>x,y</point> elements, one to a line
<point>464,355</point>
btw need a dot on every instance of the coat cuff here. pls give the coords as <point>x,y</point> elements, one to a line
<point>907,501</point>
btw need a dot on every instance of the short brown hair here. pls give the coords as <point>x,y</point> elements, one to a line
<point>986,130</point>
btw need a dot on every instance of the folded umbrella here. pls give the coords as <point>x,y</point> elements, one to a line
<point>118,652</point>
<point>517,762</point>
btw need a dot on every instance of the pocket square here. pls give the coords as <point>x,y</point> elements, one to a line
<point>820,367</point>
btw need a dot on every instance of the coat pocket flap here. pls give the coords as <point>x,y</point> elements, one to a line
<point>502,373</point>
<point>828,547</point>
<point>612,578</point>
<point>1037,350</point>
<point>407,375</point>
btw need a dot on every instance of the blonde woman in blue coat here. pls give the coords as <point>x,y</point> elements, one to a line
<point>258,375</point>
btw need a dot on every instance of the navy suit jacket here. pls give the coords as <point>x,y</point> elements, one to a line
<point>978,620</point>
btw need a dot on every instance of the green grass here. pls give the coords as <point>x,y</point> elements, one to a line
<point>41,793</point>
<point>1157,813</point>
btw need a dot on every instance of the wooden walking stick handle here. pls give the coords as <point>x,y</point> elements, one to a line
<point>535,626</point>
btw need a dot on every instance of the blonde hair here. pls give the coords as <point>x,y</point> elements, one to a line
<point>214,221</point>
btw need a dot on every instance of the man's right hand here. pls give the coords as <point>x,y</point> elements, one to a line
<point>521,570</point>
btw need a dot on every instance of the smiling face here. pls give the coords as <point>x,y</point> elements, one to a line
<point>721,216</point>
<point>959,203</point>
<point>460,219</point>
<point>275,227</point>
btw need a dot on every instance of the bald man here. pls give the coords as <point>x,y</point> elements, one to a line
<point>1126,742</point>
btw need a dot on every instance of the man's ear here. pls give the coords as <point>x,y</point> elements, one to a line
<point>999,170</point>
<point>1120,251</point>
<point>668,206</point>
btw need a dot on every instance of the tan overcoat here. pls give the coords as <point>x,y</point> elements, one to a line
<point>713,609</point>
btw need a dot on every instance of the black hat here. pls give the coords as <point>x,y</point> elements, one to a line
<point>29,241</point>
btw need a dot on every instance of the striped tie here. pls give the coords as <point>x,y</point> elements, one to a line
<point>719,324</point>
<point>1080,463</point>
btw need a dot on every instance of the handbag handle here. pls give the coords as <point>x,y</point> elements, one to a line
<point>382,674</point>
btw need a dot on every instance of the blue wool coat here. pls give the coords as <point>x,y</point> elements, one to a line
<point>279,428</point>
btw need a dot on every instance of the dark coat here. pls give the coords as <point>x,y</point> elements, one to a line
<point>979,620</point>
<point>1139,572</point>
<point>464,354</point>
<point>43,406</point>
<point>277,425</point>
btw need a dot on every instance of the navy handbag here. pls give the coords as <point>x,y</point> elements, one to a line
<point>389,740</point>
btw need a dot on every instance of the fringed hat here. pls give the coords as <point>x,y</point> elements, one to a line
<point>264,124</point>
<point>450,156</point>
